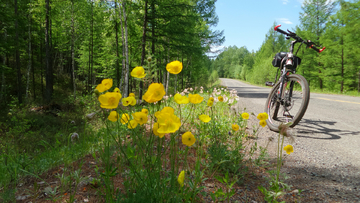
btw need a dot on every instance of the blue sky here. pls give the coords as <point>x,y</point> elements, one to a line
<point>246,22</point>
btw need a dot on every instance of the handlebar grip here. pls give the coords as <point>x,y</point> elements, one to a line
<point>276,28</point>
<point>316,49</point>
<point>322,49</point>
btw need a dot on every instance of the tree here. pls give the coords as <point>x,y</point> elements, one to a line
<point>313,24</point>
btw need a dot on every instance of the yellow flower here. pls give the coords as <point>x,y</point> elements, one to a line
<point>125,118</point>
<point>188,139</point>
<point>168,122</point>
<point>128,101</point>
<point>109,100</point>
<point>289,149</point>
<point>221,99</point>
<point>113,116</point>
<point>266,116</point>
<point>210,103</point>
<point>181,178</point>
<point>154,93</point>
<point>204,118</point>
<point>155,128</point>
<point>262,123</point>
<point>181,99</point>
<point>245,115</point>
<point>105,85</point>
<point>132,124</point>
<point>195,98</point>
<point>131,95</point>
<point>138,72</point>
<point>262,116</point>
<point>117,90</point>
<point>145,111</point>
<point>140,117</point>
<point>235,127</point>
<point>211,99</point>
<point>132,101</point>
<point>174,67</point>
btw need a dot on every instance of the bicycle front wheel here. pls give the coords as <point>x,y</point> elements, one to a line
<point>291,105</point>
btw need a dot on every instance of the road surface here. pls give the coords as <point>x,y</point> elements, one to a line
<point>327,146</point>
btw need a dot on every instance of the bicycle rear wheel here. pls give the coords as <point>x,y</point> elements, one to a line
<point>291,106</point>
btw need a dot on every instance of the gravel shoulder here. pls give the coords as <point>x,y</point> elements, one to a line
<point>325,164</point>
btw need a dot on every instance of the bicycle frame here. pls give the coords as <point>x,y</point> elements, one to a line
<point>285,72</point>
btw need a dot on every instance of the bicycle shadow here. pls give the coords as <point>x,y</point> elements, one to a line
<point>314,128</point>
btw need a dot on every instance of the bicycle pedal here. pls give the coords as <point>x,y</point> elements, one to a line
<point>271,84</point>
<point>288,116</point>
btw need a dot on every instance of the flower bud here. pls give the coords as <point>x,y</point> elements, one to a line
<point>97,93</point>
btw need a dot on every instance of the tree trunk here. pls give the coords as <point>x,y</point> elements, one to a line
<point>167,72</point>
<point>2,92</point>
<point>359,82</point>
<point>49,76</point>
<point>167,82</point>
<point>29,62</point>
<point>117,50</point>
<point>41,68</point>
<point>72,48</point>
<point>123,51</point>
<point>182,74</point>
<point>126,75</point>
<point>153,38</point>
<point>17,54</point>
<point>342,70</point>
<point>143,47</point>
<point>33,74</point>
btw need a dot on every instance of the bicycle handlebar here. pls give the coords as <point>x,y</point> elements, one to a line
<point>297,38</point>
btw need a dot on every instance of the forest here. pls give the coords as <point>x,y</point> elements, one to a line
<point>51,49</point>
<point>333,24</point>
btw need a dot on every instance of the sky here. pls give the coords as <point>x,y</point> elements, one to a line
<point>246,22</point>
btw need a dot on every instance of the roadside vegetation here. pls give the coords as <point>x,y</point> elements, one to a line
<point>194,146</point>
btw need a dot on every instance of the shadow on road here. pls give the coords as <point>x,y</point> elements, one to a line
<point>317,129</point>
<point>250,94</point>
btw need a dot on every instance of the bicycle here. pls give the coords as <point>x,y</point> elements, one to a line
<point>289,98</point>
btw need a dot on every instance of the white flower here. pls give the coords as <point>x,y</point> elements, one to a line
<point>182,93</point>
<point>225,98</point>
<point>191,89</point>
<point>201,91</point>
<point>74,137</point>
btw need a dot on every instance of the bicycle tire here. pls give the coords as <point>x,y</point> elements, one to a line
<point>273,105</point>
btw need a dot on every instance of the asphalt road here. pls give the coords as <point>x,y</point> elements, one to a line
<point>328,136</point>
